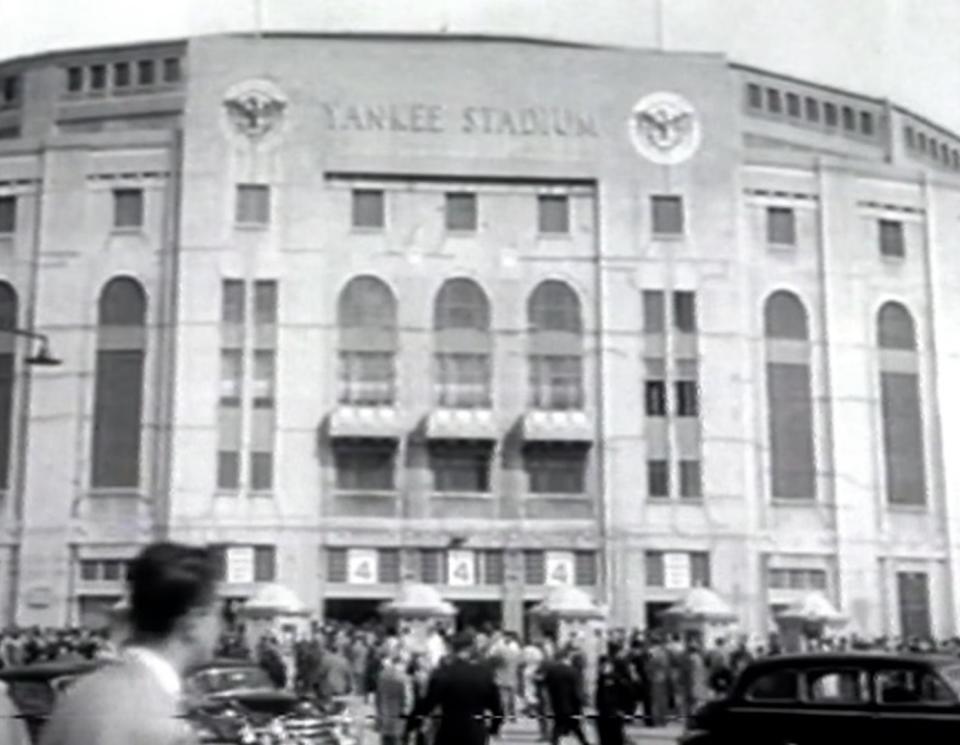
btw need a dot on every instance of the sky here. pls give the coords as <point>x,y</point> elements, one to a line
<point>905,50</point>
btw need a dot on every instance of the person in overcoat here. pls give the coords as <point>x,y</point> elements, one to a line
<point>564,688</point>
<point>463,698</point>
<point>175,623</point>
<point>614,700</point>
<point>393,701</point>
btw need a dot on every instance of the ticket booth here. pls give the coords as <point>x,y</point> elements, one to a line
<point>418,609</point>
<point>702,615</point>
<point>805,621</point>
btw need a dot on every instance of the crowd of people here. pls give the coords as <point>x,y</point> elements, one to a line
<point>33,645</point>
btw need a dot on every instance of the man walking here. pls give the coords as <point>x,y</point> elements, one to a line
<point>175,624</point>
<point>565,693</point>
<point>465,698</point>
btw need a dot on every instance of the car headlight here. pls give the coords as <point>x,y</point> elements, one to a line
<point>247,735</point>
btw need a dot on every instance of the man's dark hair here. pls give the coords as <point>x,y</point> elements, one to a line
<point>463,641</point>
<point>167,581</point>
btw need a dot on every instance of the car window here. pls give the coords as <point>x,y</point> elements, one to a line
<point>776,685</point>
<point>912,686</point>
<point>833,686</point>
<point>211,681</point>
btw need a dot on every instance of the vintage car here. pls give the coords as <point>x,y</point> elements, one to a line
<point>818,699</point>
<point>227,701</point>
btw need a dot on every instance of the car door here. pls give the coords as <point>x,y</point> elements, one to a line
<point>835,705</point>
<point>915,703</point>
<point>761,711</point>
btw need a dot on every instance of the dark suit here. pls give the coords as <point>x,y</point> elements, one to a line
<point>120,704</point>
<point>564,686</point>
<point>468,701</point>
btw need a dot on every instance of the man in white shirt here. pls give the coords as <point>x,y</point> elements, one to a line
<point>175,624</point>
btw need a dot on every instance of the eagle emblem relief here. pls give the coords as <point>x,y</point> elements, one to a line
<point>664,128</point>
<point>255,109</point>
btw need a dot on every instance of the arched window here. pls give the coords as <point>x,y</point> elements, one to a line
<point>895,327</point>
<point>900,405</point>
<point>118,392</point>
<point>555,353</point>
<point>8,321</point>
<point>789,398</point>
<point>367,319</point>
<point>463,345</point>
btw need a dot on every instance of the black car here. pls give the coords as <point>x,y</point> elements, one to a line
<point>819,699</point>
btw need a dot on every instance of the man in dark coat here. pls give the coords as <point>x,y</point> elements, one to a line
<point>464,695</point>
<point>564,687</point>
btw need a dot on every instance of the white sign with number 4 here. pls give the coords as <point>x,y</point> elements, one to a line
<point>559,568</point>
<point>362,566</point>
<point>461,568</point>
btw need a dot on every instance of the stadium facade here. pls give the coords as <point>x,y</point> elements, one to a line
<point>493,314</point>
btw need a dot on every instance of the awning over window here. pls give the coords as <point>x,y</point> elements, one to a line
<point>558,426</point>
<point>369,422</point>
<point>462,424</point>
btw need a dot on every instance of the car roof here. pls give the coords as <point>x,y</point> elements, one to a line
<point>873,659</point>
<point>221,663</point>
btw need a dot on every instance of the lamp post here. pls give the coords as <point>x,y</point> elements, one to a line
<point>42,357</point>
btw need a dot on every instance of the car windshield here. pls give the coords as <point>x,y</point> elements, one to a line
<point>951,674</point>
<point>226,679</point>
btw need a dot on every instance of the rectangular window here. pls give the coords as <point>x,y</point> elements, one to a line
<point>655,397</point>
<point>956,159</point>
<point>793,104</point>
<point>118,407</point>
<point>830,114</point>
<point>774,101</point>
<point>688,398</point>
<point>849,119</point>
<point>432,566</point>
<point>585,568</point>
<point>264,379</point>
<point>892,239</point>
<point>493,567</point>
<point>813,110</point>
<point>556,470</point>
<point>146,72</point>
<point>11,89</point>
<point>368,209</point>
<point>463,380</point>
<point>654,569</point>
<point>910,136</point>
<point>461,211</point>
<point>128,208</point>
<point>945,154</point>
<point>699,569</point>
<point>121,74</point>
<point>89,570</point>
<point>556,382</point>
<point>365,467</point>
<point>553,214</point>
<point>866,123</point>
<point>913,596</point>
<point>253,204</point>
<point>228,470</point>
<point>658,478</point>
<point>98,77</point>
<point>667,215</point>
<point>781,226</point>
<point>261,471</point>
<point>171,70</point>
<point>460,469</point>
<point>933,145</point>
<point>534,567</point>
<point>74,79</point>
<point>234,301</point>
<point>691,480</point>
<point>921,141</point>
<point>264,563</point>
<point>902,423</point>
<point>796,579</point>
<point>685,311</point>
<point>265,302</point>
<point>8,214</point>
<point>336,565</point>
<point>231,377</point>
<point>388,566</point>
<point>653,312</point>
<point>754,96</point>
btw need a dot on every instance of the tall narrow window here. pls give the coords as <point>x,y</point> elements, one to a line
<point>685,311</point>
<point>368,343</point>
<point>789,398</point>
<point>903,440</point>
<point>8,214</point>
<point>553,214</point>
<point>463,346</point>
<point>230,410</point>
<point>118,393</point>
<point>913,598</point>
<point>146,72</point>
<point>263,417</point>
<point>8,322</point>
<point>653,312</point>
<point>461,211</point>
<point>892,244</point>
<point>368,209</point>
<point>128,208</point>
<point>556,347</point>
<point>658,478</point>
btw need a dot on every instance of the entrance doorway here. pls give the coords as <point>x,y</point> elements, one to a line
<point>655,615</point>
<point>356,611</point>
<point>479,615</point>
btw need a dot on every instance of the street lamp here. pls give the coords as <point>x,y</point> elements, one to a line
<point>42,357</point>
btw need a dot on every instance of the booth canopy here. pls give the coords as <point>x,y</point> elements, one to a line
<point>813,608</point>
<point>418,600</point>
<point>274,600</point>
<point>702,604</point>
<point>569,602</point>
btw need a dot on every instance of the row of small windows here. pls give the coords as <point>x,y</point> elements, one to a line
<point>10,93</point>
<point>782,231</point>
<point>129,207</point>
<point>122,76</point>
<point>927,145</point>
<point>811,110</point>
